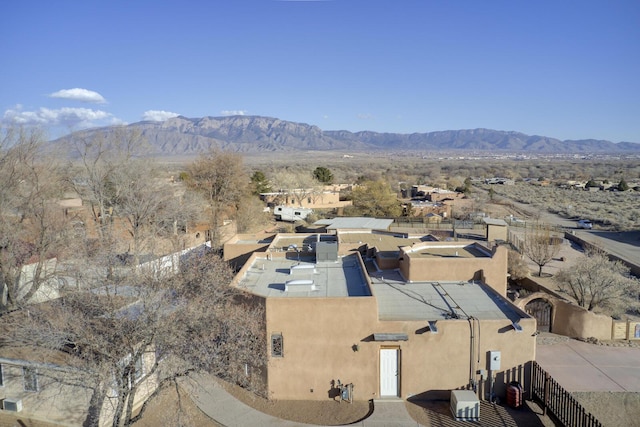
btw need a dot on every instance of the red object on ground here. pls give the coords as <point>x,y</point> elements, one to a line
<point>514,394</point>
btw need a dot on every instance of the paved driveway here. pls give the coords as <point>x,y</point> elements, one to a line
<point>579,366</point>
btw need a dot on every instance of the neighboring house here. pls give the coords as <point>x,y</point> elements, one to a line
<point>47,290</point>
<point>433,194</point>
<point>394,315</point>
<point>422,209</point>
<point>433,218</point>
<point>498,180</point>
<point>306,198</point>
<point>44,385</point>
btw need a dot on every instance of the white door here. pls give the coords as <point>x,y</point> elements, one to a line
<point>389,375</point>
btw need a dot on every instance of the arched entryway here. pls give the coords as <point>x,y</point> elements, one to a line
<point>542,311</point>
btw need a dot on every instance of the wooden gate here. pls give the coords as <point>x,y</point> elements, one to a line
<point>541,310</point>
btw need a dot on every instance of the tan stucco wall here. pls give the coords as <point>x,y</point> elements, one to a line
<point>387,260</point>
<point>319,335</point>
<point>574,321</point>
<point>493,270</point>
<point>496,232</point>
<point>240,253</point>
<point>52,402</point>
<point>312,200</point>
<point>61,396</point>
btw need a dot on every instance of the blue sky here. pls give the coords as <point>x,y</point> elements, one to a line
<point>564,69</point>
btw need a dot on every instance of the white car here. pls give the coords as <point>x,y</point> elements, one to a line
<point>585,223</point>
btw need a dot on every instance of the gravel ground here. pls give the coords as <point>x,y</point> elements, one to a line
<point>612,409</point>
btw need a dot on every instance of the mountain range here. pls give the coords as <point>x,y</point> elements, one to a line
<point>182,136</point>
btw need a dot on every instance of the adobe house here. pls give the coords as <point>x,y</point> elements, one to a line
<point>408,323</point>
<point>422,209</point>
<point>307,198</point>
<point>46,386</point>
<point>433,194</point>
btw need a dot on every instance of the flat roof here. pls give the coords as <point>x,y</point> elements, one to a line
<point>495,221</point>
<point>300,241</point>
<point>384,242</point>
<point>449,251</point>
<point>272,277</point>
<point>398,300</point>
<point>268,278</point>
<point>363,223</point>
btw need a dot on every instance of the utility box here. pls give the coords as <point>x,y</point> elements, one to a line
<point>465,405</point>
<point>494,360</point>
<point>12,405</point>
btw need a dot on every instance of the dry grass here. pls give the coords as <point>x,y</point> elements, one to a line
<point>608,209</point>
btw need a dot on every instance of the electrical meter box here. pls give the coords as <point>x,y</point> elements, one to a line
<point>494,360</point>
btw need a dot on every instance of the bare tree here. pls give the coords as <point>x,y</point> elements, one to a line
<point>297,185</point>
<point>129,334</point>
<point>127,193</point>
<point>251,215</point>
<point>33,226</point>
<point>126,324</point>
<point>102,162</point>
<point>595,282</point>
<point>516,266</point>
<point>541,246</point>
<point>221,178</point>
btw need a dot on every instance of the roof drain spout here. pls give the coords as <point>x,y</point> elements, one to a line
<point>472,380</point>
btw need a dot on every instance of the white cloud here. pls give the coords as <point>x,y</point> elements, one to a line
<point>158,115</point>
<point>77,94</point>
<point>233,112</point>
<point>70,117</point>
<point>365,116</point>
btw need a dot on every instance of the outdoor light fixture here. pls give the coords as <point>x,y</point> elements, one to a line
<point>432,327</point>
<point>355,347</point>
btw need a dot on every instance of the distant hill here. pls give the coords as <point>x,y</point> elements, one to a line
<point>254,134</point>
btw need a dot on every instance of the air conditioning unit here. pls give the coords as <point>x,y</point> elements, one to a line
<point>13,405</point>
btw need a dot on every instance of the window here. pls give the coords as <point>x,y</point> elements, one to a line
<point>30,376</point>
<point>137,375</point>
<point>276,345</point>
<point>1,376</point>
<point>137,368</point>
<point>131,373</point>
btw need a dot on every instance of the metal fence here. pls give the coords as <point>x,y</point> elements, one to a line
<point>558,401</point>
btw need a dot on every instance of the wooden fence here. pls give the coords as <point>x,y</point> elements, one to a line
<point>558,401</point>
